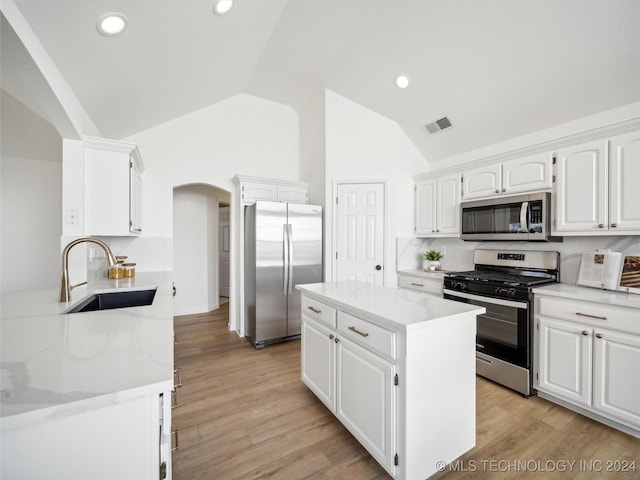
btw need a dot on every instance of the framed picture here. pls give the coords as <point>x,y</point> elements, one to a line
<point>630,274</point>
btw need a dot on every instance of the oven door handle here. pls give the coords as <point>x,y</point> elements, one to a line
<point>496,301</point>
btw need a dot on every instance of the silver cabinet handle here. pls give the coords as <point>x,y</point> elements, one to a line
<point>601,225</point>
<point>314,310</point>
<point>584,332</point>
<point>178,372</point>
<point>598,335</point>
<point>174,399</point>
<point>417,284</point>
<point>175,435</point>
<point>590,316</point>
<point>614,225</point>
<point>353,329</point>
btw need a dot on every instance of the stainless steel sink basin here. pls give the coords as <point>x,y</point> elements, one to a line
<point>110,300</point>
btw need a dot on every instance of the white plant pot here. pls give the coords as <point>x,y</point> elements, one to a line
<point>432,265</point>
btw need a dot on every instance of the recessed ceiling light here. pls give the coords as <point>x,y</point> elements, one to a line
<point>402,81</point>
<point>111,24</point>
<point>220,7</point>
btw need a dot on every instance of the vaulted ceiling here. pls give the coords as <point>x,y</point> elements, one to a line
<point>497,69</point>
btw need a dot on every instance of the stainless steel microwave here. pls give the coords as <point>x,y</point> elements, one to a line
<point>517,217</point>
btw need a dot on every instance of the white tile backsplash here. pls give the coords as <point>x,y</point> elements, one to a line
<point>459,254</point>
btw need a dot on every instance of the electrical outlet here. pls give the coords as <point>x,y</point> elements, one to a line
<point>72,216</point>
<point>443,250</point>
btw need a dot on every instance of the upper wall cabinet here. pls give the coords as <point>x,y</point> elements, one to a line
<point>112,188</point>
<point>253,189</point>
<point>437,206</point>
<point>597,187</point>
<point>514,176</point>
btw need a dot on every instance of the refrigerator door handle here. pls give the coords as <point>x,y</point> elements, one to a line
<point>290,259</point>
<point>285,258</point>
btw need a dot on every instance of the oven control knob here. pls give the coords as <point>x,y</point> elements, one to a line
<point>460,285</point>
<point>512,292</point>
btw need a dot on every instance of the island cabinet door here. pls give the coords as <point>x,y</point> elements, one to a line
<point>366,400</point>
<point>318,360</point>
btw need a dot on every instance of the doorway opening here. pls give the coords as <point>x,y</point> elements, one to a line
<point>201,248</point>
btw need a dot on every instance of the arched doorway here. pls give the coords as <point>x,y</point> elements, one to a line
<point>198,236</point>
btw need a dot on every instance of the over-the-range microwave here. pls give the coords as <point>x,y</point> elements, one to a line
<point>510,218</point>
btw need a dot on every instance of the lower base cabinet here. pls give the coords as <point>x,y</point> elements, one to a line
<point>389,386</point>
<point>588,359</point>
<point>124,440</point>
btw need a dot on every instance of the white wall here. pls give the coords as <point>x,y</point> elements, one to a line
<point>361,144</point>
<point>31,199</point>
<point>243,135</point>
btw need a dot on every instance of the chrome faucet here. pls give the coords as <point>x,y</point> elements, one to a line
<point>65,287</point>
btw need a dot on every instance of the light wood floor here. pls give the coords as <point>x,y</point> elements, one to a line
<point>245,414</point>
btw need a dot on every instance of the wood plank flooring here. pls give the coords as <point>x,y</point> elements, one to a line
<point>245,414</point>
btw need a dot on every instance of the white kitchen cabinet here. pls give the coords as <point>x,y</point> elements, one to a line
<point>437,206</point>
<point>427,283</point>
<point>588,353</point>
<point>366,398</point>
<point>253,189</point>
<point>112,188</point>
<point>596,189</point>
<point>380,377</point>
<point>565,360</point>
<point>519,175</point>
<point>121,440</point>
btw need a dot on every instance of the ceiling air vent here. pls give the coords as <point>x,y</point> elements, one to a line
<point>438,125</point>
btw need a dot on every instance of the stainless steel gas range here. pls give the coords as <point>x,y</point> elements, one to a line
<point>501,282</point>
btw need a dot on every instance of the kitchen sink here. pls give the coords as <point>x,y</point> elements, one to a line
<point>110,300</point>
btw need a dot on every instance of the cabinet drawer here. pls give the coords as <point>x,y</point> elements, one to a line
<point>429,285</point>
<point>591,313</point>
<point>377,339</point>
<point>319,311</point>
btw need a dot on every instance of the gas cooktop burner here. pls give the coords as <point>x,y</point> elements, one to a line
<point>500,277</point>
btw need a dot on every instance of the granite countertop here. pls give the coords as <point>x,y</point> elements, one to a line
<point>396,308</point>
<point>53,363</point>
<point>567,290</point>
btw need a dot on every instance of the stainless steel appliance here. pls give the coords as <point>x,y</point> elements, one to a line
<point>283,248</point>
<point>501,282</point>
<point>517,217</point>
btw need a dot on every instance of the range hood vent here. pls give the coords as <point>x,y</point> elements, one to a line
<point>439,125</point>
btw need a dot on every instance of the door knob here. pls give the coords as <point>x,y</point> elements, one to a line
<point>378,267</point>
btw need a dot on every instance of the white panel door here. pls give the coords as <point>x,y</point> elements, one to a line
<point>448,204</point>
<point>365,401</point>
<point>482,182</point>
<point>527,174</point>
<point>581,187</point>
<point>425,211</point>
<point>224,250</point>
<point>565,354</point>
<point>360,232</point>
<point>624,182</point>
<point>616,383</point>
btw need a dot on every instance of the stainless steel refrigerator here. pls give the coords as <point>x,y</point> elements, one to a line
<point>283,248</point>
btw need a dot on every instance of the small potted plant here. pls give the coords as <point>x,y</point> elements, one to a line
<point>432,260</point>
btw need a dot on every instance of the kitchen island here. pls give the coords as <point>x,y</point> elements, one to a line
<point>87,394</point>
<point>396,367</point>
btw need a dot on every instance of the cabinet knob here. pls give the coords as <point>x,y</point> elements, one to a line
<point>614,225</point>
<point>600,225</point>
<point>598,335</point>
<point>584,332</point>
<point>331,336</point>
<point>497,191</point>
<point>336,339</point>
<point>378,267</point>
<point>504,190</point>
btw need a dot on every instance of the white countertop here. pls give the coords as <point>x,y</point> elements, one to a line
<point>567,290</point>
<point>52,363</point>
<point>387,306</point>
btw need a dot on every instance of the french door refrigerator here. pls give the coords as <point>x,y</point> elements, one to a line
<point>283,248</point>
